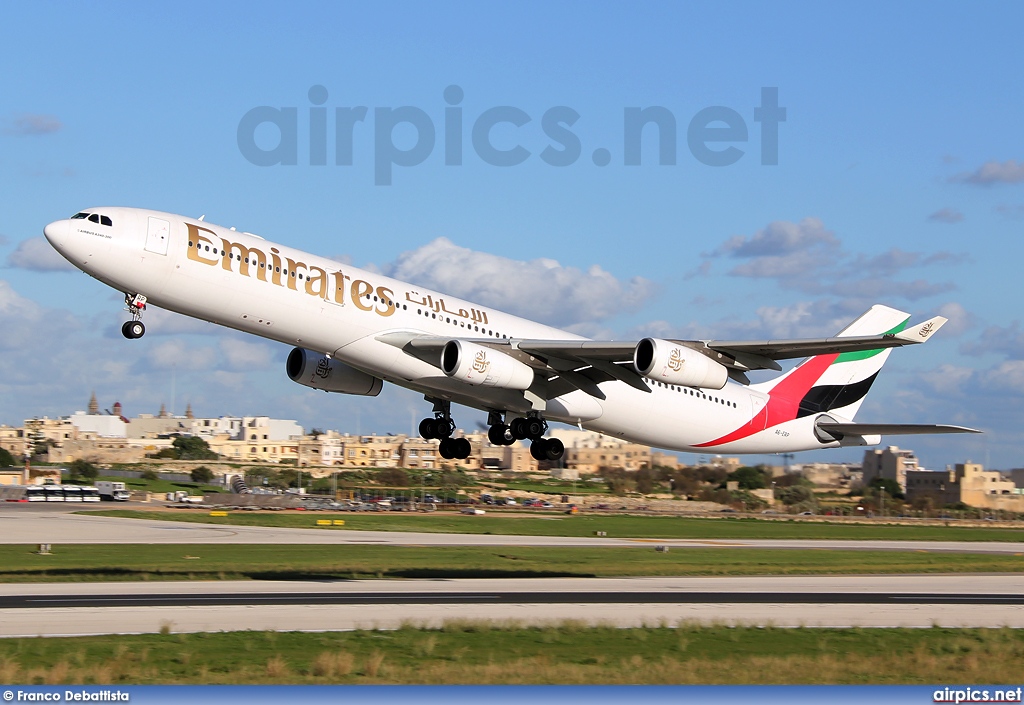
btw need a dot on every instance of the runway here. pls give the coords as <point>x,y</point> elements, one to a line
<point>64,609</point>
<point>811,601</point>
<point>28,525</point>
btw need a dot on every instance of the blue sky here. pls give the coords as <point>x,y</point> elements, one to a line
<point>899,180</point>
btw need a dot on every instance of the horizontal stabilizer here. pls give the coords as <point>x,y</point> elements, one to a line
<point>922,331</point>
<point>889,429</point>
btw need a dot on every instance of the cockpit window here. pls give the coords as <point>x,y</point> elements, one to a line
<point>104,220</point>
<point>79,216</point>
<point>94,218</point>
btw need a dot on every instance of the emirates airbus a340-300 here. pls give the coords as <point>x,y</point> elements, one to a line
<point>354,330</point>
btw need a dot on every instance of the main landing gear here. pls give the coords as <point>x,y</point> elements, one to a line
<point>135,304</point>
<point>532,427</point>
<point>442,427</point>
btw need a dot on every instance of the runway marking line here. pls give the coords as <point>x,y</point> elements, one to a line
<point>688,542</point>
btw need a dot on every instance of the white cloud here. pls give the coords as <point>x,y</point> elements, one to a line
<point>243,355</point>
<point>541,289</point>
<point>1009,172</point>
<point>33,124</point>
<point>781,238</point>
<point>1006,377</point>
<point>807,257</point>
<point>946,215</point>
<point>1015,211</point>
<point>1002,340</point>
<point>177,354</point>
<point>37,255</point>
<point>804,319</point>
<point>960,319</point>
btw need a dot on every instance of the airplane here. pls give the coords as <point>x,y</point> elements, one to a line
<point>353,330</point>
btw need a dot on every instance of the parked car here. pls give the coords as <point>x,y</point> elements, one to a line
<point>472,511</point>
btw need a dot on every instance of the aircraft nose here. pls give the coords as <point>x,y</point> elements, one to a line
<point>56,232</point>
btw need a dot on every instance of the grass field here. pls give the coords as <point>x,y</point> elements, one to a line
<point>552,524</point>
<point>106,562</point>
<point>487,653</point>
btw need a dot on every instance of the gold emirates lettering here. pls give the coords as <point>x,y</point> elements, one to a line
<point>329,286</point>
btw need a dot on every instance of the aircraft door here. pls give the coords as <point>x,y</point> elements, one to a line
<point>157,236</point>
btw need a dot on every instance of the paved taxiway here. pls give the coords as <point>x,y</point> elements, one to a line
<point>54,609</point>
<point>836,601</point>
<point>24,524</point>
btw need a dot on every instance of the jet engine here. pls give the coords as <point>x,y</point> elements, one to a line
<point>318,371</point>
<point>672,363</point>
<point>485,367</point>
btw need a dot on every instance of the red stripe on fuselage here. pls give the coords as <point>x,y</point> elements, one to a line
<point>783,400</point>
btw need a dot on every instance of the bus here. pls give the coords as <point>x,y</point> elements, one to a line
<point>90,493</point>
<point>35,493</point>
<point>54,493</point>
<point>72,493</point>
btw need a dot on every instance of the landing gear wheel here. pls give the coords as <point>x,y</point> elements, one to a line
<point>517,430</point>
<point>446,448</point>
<point>428,429</point>
<point>499,435</point>
<point>549,449</point>
<point>462,448</point>
<point>538,449</point>
<point>534,428</point>
<point>133,329</point>
<point>554,448</point>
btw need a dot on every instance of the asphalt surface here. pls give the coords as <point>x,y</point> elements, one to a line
<point>26,524</point>
<point>191,599</point>
<point>68,609</point>
<point>57,609</point>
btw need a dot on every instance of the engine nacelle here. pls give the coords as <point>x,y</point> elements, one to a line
<point>484,367</point>
<point>673,363</point>
<point>318,371</point>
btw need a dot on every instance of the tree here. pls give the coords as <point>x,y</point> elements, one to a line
<point>393,477</point>
<point>193,448</point>
<point>890,487</point>
<point>149,474</point>
<point>202,474</point>
<point>797,494</point>
<point>646,480</point>
<point>6,459</point>
<point>749,478</point>
<point>315,432</point>
<point>82,470</point>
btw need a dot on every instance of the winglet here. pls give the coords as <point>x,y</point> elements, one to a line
<point>921,332</point>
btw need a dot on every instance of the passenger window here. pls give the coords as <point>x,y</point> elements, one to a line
<point>94,218</point>
<point>104,220</point>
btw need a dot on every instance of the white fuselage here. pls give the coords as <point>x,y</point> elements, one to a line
<point>244,282</point>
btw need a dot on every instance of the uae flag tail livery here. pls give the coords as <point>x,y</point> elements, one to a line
<point>830,387</point>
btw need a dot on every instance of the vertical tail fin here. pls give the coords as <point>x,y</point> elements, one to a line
<point>839,382</point>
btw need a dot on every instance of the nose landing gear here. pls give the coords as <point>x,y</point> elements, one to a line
<point>135,304</point>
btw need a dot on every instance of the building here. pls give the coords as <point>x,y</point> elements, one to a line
<point>827,474</point>
<point>587,452</point>
<point>967,482</point>
<point>890,463</point>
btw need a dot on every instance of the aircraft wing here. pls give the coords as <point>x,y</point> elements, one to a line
<point>582,364</point>
<point>889,429</point>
